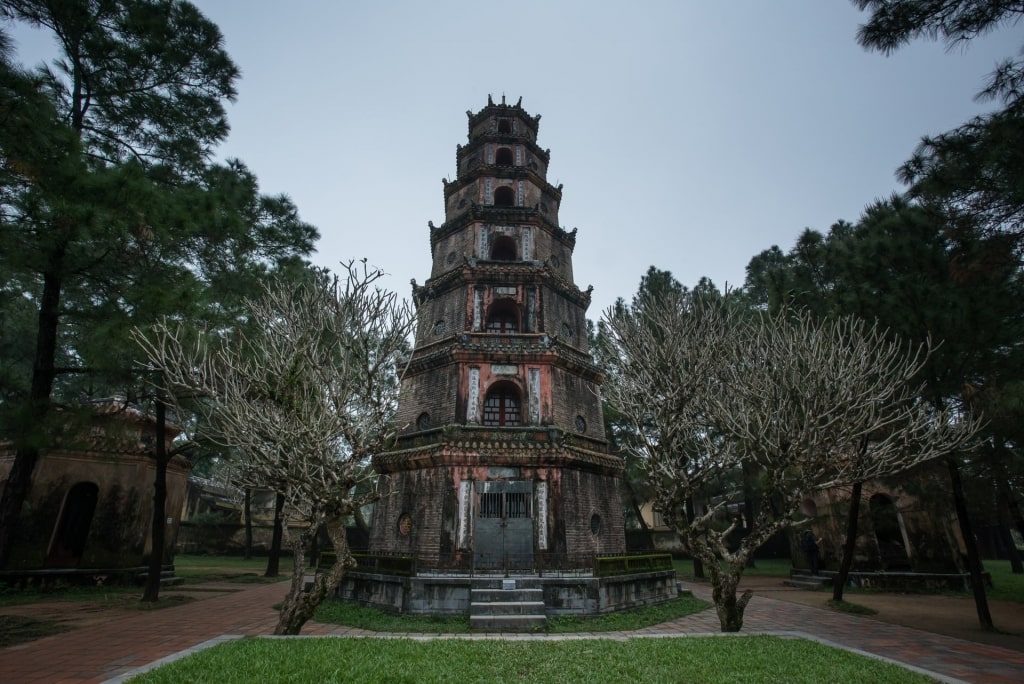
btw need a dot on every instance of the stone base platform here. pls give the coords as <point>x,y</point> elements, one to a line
<point>575,594</point>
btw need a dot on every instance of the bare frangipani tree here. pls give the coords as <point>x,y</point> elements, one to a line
<point>710,387</point>
<point>306,395</point>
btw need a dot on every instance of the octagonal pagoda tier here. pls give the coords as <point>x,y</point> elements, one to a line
<point>501,460</point>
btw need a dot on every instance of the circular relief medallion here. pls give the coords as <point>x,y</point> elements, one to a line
<point>581,424</point>
<point>423,422</point>
<point>451,257</point>
<point>566,330</point>
<point>439,328</point>
<point>405,524</point>
<point>555,261</point>
<point>462,203</point>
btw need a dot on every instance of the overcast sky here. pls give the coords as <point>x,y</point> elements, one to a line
<point>688,135</point>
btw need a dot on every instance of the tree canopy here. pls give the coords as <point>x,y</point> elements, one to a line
<point>111,212</point>
<point>974,171</point>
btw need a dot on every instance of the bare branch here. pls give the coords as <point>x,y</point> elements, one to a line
<point>710,386</point>
<point>306,394</point>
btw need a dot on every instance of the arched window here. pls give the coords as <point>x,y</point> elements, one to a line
<point>504,126</point>
<point>503,157</point>
<point>501,406</point>
<point>503,249</point>
<point>504,197</point>
<point>503,317</point>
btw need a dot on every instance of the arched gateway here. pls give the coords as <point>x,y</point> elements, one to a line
<point>511,467</point>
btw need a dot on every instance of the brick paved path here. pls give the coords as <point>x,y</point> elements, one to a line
<point>105,651</point>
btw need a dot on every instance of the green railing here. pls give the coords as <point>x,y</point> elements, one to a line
<point>608,566</point>
<point>386,565</point>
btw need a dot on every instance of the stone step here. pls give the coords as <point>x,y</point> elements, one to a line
<point>483,595</point>
<point>808,582</point>
<point>506,608</point>
<point>507,623</point>
<point>506,583</point>
<point>506,604</point>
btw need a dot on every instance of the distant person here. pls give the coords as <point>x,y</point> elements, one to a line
<point>809,545</point>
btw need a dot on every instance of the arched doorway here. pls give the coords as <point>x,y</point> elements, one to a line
<point>68,542</point>
<point>504,526</point>
<point>892,550</point>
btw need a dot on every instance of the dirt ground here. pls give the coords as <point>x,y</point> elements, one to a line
<point>954,616</point>
<point>943,614</point>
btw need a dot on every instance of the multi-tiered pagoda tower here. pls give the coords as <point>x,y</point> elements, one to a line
<point>501,460</point>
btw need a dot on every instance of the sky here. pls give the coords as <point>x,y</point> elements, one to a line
<point>688,135</point>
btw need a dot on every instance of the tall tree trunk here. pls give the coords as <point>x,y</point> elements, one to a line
<point>274,558</point>
<point>159,525</point>
<point>849,545</point>
<point>247,513</point>
<point>973,558</point>
<point>634,503</point>
<point>300,604</point>
<point>1003,511</point>
<point>26,454</point>
<point>1003,485</point>
<point>730,608</point>
<point>1016,515</point>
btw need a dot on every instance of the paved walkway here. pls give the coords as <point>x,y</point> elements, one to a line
<point>108,650</point>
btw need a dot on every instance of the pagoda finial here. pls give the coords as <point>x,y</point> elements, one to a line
<point>490,102</point>
<point>519,102</point>
<point>503,99</point>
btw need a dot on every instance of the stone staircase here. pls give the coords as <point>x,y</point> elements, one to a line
<point>506,605</point>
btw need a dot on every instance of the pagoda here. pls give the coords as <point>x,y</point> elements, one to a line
<point>501,461</point>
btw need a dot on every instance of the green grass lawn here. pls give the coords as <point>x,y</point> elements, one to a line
<point>692,659</point>
<point>196,569</point>
<point>1005,585</point>
<point>106,595</point>
<point>339,613</point>
<point>763,567</point>
<point>15,629</point>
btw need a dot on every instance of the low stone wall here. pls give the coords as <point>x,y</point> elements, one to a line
<point>902,581</point>
<point>422,595</point>
<point>916,581</point>
<point>446,595</point>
